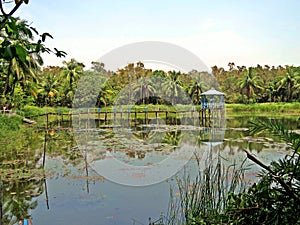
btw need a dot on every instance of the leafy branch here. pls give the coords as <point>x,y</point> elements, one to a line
<point>6,15</point>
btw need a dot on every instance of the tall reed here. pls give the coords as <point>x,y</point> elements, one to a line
<point>204,198</point>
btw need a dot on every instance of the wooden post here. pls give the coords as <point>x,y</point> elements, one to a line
<point>166,115</point>
<point>58,117</point>
<point>129,117</point>
<point>156,115</point>
<point>99,110</point>
<point>146,115</point>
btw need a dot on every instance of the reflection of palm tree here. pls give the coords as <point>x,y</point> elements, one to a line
<point>18,199</point>
<point>172,85</point>
<point>172,137</point>
<point>142,135</point>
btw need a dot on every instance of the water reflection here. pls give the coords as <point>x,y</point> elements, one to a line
<point>69,191</point>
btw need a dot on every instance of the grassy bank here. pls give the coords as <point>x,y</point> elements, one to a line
<point>264,108</point>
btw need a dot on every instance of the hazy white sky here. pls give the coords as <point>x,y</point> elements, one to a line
<point>218,31</point>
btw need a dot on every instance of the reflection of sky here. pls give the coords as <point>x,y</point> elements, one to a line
<point>106,203</point>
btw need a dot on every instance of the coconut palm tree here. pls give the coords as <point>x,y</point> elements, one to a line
<point>196,88</point>
<point>250,82</point>
<point>72,72</point>
<point>288,82</point>
<point>172,85</point>
<point>49,88</point>
<point>144,88</point>
<point>70,75</point>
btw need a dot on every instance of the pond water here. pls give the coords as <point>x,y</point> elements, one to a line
<point>116,174</point>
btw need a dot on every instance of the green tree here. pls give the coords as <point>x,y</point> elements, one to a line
<point>70,75</point>
<point>49,88</point>
<point>289,82</point>
<point>144,88</point>
<point>196,88</point>
<point>173,85</point>
<point>250,82</point>
<point>20,49</point>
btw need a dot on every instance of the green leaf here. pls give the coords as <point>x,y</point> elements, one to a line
<point>8,29</point>
<point>21,52</point>
<point>26,1</point>
<point>35,31</point>
<point>59,53</point>
<point>8,52</point>
<point>44,35</point>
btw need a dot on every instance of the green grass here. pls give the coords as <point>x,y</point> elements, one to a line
<point>9,124</point>
<point>31,111</point>
<point>205,198</point>
<point>277,108</point>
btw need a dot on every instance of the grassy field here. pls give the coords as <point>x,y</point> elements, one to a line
<point>264,108</point>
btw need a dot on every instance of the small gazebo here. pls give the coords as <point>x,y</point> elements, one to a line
<point>212,99</point>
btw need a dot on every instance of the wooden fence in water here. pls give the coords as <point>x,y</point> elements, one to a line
<point>203,115</point>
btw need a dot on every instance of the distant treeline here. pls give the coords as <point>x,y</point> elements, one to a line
<point>134,84</point>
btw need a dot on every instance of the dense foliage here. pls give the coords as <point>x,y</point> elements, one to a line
<point>57,86</point>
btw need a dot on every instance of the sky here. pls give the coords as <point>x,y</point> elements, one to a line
<point>218,31</point>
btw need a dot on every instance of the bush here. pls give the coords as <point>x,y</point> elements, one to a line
<point>275,199</point>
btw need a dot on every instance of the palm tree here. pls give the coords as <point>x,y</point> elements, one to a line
<point>49,88</point>
<point>72,72</point>
<point>144,88</point>
<point>196,88</point>
<point>70,75</point>
<point>288,82</point>
<point>250,82</point>
<point>172,85</point>
<point>106,95</point>
<point>21,57</point>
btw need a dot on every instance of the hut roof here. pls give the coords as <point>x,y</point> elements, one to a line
<point>212,91</point>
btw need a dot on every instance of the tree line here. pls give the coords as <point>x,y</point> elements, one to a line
<point>26,83</point>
